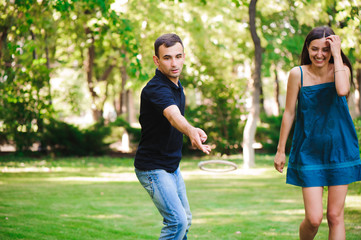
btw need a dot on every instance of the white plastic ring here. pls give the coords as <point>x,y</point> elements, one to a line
<point>230,166</point>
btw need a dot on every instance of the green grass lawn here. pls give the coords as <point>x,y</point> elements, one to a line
<point>100,198</point>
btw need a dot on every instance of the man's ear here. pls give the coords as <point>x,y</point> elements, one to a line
<point>156,60</point>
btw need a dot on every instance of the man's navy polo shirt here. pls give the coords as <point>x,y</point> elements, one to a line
<point>160,146</point>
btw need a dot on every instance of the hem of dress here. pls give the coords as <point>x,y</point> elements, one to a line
<point>323,177</point>
<point>322,185</point>
<point>327,166</point>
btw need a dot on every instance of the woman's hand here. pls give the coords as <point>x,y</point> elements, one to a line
<point>335,45</point>
<point>279,161</point>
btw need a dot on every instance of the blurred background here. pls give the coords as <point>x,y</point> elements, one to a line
<point>71,71</point>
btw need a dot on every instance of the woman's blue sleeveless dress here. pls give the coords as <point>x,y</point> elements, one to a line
<point>325,150</point>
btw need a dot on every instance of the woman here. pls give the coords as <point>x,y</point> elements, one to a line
<point>325,149</point>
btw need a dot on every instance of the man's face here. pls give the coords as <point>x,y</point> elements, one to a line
<point>170,61</point>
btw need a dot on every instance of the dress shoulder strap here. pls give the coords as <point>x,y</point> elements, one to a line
<point>301,76</point>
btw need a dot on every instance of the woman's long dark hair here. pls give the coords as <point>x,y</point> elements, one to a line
<point>317,33</point>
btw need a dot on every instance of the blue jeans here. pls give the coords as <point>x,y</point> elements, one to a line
<point>168,193</point>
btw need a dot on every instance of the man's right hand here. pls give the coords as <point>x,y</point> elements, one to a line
<point>198,137</point>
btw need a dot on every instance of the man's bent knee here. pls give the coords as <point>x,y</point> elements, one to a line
<point>183,225</point>
<point>175,227</point>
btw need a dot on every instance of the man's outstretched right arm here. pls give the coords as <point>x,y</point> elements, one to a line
<point>196,135</point>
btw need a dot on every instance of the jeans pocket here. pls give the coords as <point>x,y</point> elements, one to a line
<point>147,182</point>
<point>149,187</point>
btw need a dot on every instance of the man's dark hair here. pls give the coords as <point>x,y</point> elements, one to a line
<point>169,40</point>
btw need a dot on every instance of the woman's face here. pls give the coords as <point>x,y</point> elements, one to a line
<point>319,52</point>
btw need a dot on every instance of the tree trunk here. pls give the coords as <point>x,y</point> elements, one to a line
<point>3,37</point>
<point>261,97</point>
<point>130,108</point>
<point>39,120</point>
<point>89,64</point>
<point>122,95</point>
<point>253,116</point>
<point>122,108</point>
<point>277,93</point>
<point>48,67</point>
<point>33,38</point>
<point>97,103</point>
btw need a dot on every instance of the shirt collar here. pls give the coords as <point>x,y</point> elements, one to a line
<point>169,82</point>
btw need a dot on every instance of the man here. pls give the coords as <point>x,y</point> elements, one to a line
<point>160,148</point>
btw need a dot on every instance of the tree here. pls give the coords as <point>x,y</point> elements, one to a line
<point>211,71</point>
<point>105,44</point>
<point>25,72</point>
<point>253,116</point>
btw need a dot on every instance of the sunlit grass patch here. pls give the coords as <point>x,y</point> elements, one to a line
<point>100,198</point>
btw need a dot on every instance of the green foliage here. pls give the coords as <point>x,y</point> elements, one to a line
<point>135,133</point>
<point>283,40</point>
<point>39,37</point>
<point>24,75</point>
<point>65,139</point>
<point>24,103</point>
<point>221,123</point>
<point>106,42</point>
<point>70,97</point>
<point>357,123</point>
<point>268,132</point>
<point>211,72</point>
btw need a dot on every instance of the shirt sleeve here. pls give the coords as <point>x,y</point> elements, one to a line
<point>160,96</point>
